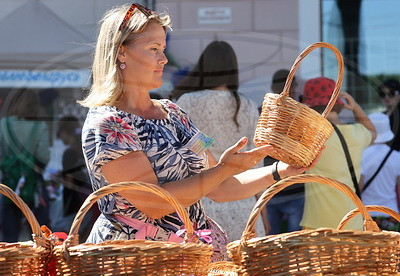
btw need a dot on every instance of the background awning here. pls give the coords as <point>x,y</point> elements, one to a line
<point>35,38</point>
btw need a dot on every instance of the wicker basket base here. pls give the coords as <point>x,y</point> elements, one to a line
<point>296,131</point>
<point>319,252</point>
<point>134,257</point>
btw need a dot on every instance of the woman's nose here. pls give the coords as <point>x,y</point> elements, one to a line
<point>163,59</point>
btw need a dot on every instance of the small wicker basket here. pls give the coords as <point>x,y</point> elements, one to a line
<point>323,251</point>
<point>132,257</point>
<point>24,258</point>
<point>296,131</point>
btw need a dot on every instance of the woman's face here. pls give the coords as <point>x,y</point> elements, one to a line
<point>388,98</point>
<point>144,58</point>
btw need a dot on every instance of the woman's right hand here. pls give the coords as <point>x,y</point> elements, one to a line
<point>237,162</point>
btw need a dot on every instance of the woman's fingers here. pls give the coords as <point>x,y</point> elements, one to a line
<point>238,145</point>
<point>234,149</point>
<point>263,151</point>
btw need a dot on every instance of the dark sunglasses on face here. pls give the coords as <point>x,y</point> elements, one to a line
<point>391,94</point>
<point>146,11</point>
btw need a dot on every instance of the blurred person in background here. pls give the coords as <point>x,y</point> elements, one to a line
<point>380,174</point>
<point>325,206</point>
<point>209,95</point>
<point>73,177</point>
<point>24,146</point>
<point>389,92</point>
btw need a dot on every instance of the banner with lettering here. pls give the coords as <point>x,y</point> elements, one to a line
<point>45,79</point>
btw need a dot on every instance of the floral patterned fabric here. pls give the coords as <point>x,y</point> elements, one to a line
<point>109,133</point>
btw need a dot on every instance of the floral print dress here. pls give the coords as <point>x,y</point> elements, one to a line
<point>109,133</point>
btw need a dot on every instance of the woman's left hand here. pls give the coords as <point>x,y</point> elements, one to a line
<point>349,102</point>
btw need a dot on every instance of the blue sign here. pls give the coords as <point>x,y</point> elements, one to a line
<point>45,79</point>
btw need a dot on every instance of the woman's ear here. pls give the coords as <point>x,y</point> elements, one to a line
<point>121,53</point>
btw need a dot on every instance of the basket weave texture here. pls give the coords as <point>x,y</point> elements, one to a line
<point>133,257</point>
<point>28,258</point>
<point>323,251</point>
<point>223,268</point>
<point>296,131</point>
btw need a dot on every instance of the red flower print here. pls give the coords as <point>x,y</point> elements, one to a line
<point>182,117</point>
<point>172,106</point>
<point>118,130</point>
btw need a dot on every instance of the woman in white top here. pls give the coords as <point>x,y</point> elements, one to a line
<point>209,94</point>
<point>383,185</point>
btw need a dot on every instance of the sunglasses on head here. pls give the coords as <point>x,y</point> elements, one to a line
<point>391,94</point>
<point>146,11</point>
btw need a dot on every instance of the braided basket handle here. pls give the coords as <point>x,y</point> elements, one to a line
<point>30,217</point>
<point>369,224</point>
<point>117,187</point>
<point>370,208</point>
<point>339,80</point>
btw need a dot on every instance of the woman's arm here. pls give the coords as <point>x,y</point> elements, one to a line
<point>136,167</point>
<point>359,114</point>
<point>250,182</point>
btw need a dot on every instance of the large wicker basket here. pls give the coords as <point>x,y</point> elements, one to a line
<point>323,251</point>
<point>24,258</point>
<point>296,131</point>
<point>133,257</point>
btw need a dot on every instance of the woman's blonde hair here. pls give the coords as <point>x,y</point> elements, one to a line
<point>107,87</point>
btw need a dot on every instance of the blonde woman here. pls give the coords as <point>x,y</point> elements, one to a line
<point>127,136</point>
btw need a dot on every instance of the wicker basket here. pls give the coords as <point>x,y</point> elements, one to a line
<point>296,131</point>
<point>370,208</point>
<point>133,257</point>
<point>323,251</point>
<point>24,258</point>
<point>223,268</point>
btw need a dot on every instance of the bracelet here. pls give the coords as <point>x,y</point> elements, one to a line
<point>275,172</point>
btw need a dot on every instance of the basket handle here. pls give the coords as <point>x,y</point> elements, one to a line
<point>140,186</point>
<point>339,80</point>
<point>30,217</point>
<point>369,224</point>
<point>370,208</point>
